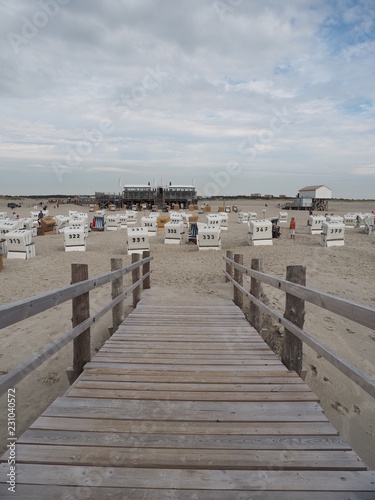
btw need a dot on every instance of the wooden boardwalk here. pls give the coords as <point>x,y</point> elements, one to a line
<point>186,402</point>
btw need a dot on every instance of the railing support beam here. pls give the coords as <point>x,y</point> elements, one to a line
<point>117,289</point>
<point>238,278</point>
<point>255,314</point>
<point>229,267</point>
<point>294,312</point>
<point>145,270</point>
<point>136,274</point>
<point>81,311</point>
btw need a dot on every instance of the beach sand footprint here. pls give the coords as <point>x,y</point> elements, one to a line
<point>50,379</point>
<point>340,408</point>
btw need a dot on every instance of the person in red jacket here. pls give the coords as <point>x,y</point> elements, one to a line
<point>292,228</point>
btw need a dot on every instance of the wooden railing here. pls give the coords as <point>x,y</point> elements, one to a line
<point>296,295</point>
<point>78,292</point>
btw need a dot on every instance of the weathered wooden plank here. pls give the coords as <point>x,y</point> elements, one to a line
<point>170,346</point>
<point>313,429</point>
<point>214,308</point>
<point>173,370</point>
<point>191,441</point>
<point>198,345</point>
<point>32,492</point>
<point>89,383</point>
<point>266,370</point>
<point>188,378</point>
<point>172,459</point>
<point>77,392</point>
<point>272,480</point>
<point>154,334</point>
<point>193,328</point>
<point>181,410</point>
<point>204,315</point>
<point>211,360</point>
<point>188,321</point>
<point>123,352</point>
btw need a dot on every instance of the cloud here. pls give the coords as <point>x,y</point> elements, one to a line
<point>365,170</point>
<point>180,89</point>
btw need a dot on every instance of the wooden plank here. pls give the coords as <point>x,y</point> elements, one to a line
<point>188,319</point>
<point>203,349</point>
<point>33,492</point>
<point>172,370</point>
<point>155,333</point>
<point>169,341</point>
<point>266,370</point>
<point>77,392</point>
<point>123,352</point>
<point>191,441</point>
<point>89,383</point>
<point>212,360</point>
<point>188,378</point>
<point>172,459</point>
<point>224,347</point>
<point>273,480</point>
<point>313,429</point>
<point>181,410</point>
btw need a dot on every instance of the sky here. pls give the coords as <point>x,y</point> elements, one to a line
<point>235,96</point>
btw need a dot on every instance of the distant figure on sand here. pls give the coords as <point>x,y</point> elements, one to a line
<point>292,228</point>
<point>40,216</point>
<point>275,230</point>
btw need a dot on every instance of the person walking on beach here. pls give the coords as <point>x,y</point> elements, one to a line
<point>292,228</point>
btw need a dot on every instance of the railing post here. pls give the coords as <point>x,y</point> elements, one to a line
<point>294,312</point>
<point>2,251</point>
<point>255,314</point>
<point>136,274</point>
<point>238,277</point>
<point>81,311</point>
<point>117,289</point>
<point>146,269</point>
<point>229,267</point>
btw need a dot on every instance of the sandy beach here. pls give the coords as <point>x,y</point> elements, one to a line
<point>183,273</point>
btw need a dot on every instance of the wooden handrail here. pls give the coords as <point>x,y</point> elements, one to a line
<point>363,315</point>
<point>20,372</point>
<point>356,375</point>
<point>22,309</point>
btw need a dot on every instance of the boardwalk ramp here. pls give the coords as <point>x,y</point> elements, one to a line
<point>186,401</point>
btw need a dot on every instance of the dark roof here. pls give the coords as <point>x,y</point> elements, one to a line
<point>312,188</point>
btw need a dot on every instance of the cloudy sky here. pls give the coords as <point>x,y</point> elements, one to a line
<point>243,96</point>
